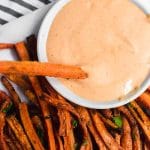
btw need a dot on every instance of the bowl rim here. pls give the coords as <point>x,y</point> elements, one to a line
<point>59,87</point>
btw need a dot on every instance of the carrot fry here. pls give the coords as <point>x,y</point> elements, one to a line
<point>86,143</point>
<point>33,137</point>
<point>10,143</point>
<point>3,144</point>
<point>37,123</point>
<point>21,51</point>
<point>6,102</point>
<point>19,80</point>
<point>14,139</point>
<point>108,139</point>
<point>141,113</point>
<point>5,106</point>
<point>69,141</point>
<point>48,88</point>
<point>19,132</point>
<point>127,113</point>
<point>59,143</point>
<point>145,128</point>
<point>22,82</point>
<point>108,122</point>
<point>13,93</point>
<point>144,100</point>
<point>107,113</point>
<point>60,103</point>
<point>85,117</point>
<point>42,69</point>
<point>118,138</point>
<point>48,124</point>
<point>6,45</point>
<point>137,144</point>
<point>126,139</point>
<point>62,119</point>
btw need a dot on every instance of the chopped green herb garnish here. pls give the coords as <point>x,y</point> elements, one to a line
<point>118,121</point>
<point>40,134</point>
<point>7,109</point>
<point>75,123</point>
<point>85,142</point>
<point>129,105</point>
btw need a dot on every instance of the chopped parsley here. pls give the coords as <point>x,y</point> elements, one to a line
<point>7,109</point>
<point>75,123</point>
<point>118,121</point>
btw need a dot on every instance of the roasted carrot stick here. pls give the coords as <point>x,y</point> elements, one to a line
<point>59,142</point>
<point>48,88</point>
<point>60,103</point>
<point>85,117</point>
<point>10,143</point>
<point>118,138</point>
<point>107,113</point>
<point>19,132</point>
<point>108,122</point>
<point>144,127</point>
<point>141,113</point>
<point>127,113</point>
<point>144,100</point>
<point>15,98</point>
<point>37,123</point>
<point>21,81</point>
<point>48,125</point>
<point>24,84</point>
<point>26,121</point>
<point>42,69</point>
<point>6,102</point>
<point>69,140</point>
<point>6,45</point>
<point>21,50</point>
<point>12,136</point>
<point>106,136</point>
<point>3,144</point>
<point>126,139</point>
<point>137,144</point>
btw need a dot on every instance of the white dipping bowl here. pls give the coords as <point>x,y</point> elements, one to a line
<point>59,87</point>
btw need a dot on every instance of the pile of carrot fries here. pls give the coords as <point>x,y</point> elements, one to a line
<point>50,122</point>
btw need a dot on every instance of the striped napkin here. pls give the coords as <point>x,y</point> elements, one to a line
<point>12,9</point>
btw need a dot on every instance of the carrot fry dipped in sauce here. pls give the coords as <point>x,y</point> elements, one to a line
<point>42,69</point>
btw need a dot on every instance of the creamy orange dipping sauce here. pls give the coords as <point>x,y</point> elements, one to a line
<point>110,40</point>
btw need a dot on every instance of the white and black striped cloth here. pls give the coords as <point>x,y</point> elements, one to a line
<point>11,9</point>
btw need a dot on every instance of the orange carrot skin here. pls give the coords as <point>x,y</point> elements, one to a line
<point>126,140</point>
<point>42,69</point>
<point>6,45</point>
<point>26,121</point>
